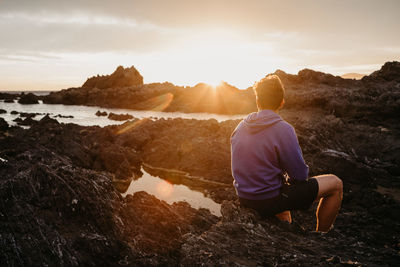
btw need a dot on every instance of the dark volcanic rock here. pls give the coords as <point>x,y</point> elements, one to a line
<point>28,99</point>
<point>28,115</point>
<point>28,121</point>
<point>100,113</point>
<point>2,111</point>
<point>13,112</point>
<point>3,124</point>
<point>119,117</point>
<point>53,212</point>
<point>390,71</point>
<point>119,78</point>
<point>8,98</point>
<point>64,116</point>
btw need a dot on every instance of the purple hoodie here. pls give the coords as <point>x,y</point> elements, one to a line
<point>263,148</point>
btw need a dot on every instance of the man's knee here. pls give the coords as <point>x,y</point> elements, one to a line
<point>337,183</point>
<point>329,184</point>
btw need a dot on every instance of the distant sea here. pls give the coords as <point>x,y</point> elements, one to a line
<point>33,92</point>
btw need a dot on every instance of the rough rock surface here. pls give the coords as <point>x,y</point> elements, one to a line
<point>28,99</point>
<point>121,77</point>
<point>101,113</point>
<point>54,212</point>
<point>119,117</point>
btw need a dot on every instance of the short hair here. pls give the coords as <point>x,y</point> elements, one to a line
<point>269,92</point>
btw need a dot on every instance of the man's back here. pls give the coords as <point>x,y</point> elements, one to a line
<point>264,147</point>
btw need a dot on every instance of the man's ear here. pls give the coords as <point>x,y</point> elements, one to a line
<point>282,104</point>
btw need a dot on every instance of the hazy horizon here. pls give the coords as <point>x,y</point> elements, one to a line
<point>49,45</point>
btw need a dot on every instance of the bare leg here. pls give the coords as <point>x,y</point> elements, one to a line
<point>330,194</point>
<point>284,216</point>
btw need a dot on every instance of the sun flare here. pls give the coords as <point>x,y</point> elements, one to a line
<point>165,188</point>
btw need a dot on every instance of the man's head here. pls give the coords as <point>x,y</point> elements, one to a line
<point>269,93</point>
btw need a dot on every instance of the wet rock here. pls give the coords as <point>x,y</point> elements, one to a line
<point>2,111</point>
<point>26,115</point>
<point>64,116</point>
<point>8,98</point>
<point>28,121</point>
<point>101,113</point>
<point>13,112</point>
<point>28,99</point>
<point>119,117</point>
<point>3,124</point>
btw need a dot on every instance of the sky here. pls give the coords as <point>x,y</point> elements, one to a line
<point>52,45</point>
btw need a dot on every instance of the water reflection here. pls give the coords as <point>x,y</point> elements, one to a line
<point>170,193</point>
<point>85,115</point>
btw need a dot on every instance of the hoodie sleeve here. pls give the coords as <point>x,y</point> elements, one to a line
<point>290,155</point>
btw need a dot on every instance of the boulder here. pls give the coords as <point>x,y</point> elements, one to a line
<point>3,124</point>
<point>119,117</point>
<point>101,113</point>
<point>28,99</point>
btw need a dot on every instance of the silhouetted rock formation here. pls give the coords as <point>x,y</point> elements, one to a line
<point>8,98</point>
<point>390,71</point>
<point>371,98</point>
<point>121,77</point>
<point>28,99</point>
<point>64,116</point>
<point>99,113</point>
<point>119,117</point>
<point>376,93</point>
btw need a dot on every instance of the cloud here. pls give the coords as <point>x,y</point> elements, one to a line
<point>78,33</point>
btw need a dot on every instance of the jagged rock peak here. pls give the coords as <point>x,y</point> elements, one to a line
<point>316,76</point>
<point>121,77</point>
<point>390,71</point>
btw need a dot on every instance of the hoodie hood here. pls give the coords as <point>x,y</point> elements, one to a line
<point>258,121</point>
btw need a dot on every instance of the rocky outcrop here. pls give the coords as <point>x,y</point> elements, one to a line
<point>3,124</point>
<point>119,117</point>
<point>55,213</point>
<point>101,113</point>
<point>121,77</point>
<point>8,98</point>
<point>376,95</point>
<point>390,71</point>
<point>28,99</point>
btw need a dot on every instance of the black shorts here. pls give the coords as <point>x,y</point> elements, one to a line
<point>298,196</point>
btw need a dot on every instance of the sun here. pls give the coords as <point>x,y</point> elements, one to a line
<point>214,83</point>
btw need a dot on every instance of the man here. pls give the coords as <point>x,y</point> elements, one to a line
<point>268,168</point>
